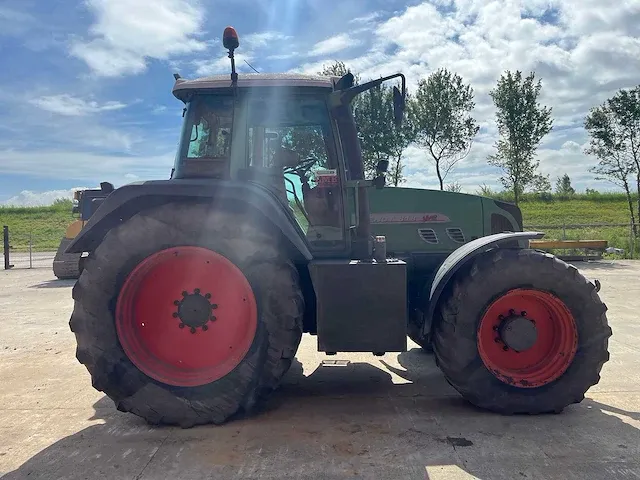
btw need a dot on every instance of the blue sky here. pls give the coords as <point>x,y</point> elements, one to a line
<point>85,92</point>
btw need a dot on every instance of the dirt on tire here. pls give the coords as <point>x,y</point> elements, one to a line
<point>255,250</point>
<point>462,306</point>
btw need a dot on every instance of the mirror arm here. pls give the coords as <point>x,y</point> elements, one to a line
<point>350,94</point>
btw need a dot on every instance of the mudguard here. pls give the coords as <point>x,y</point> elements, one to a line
<point>462,255</point>
<point>127,200</point>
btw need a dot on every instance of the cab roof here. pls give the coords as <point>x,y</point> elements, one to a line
<point>183,87</point>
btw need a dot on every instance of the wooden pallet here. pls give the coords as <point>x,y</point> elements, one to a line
<point>593,249</point>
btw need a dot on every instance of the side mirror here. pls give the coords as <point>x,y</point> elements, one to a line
<point>398,106</point>
<point>382,166</point>
<point>345,82</point>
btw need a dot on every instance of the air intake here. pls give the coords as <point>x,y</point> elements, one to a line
<point>428,235</point>
<point>456,235</point>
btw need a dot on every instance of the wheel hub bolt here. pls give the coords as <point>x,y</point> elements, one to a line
<point>517,332</point>
<point>194,310</point>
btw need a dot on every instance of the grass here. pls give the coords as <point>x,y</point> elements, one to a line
<point>583,209</point>
<point>46,225</point>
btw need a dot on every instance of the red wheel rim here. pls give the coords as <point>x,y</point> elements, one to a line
<point>551,352</point>
<point>200,290</point>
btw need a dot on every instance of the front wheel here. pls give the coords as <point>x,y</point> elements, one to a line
<point>521,331</point>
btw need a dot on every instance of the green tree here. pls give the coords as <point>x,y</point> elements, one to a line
<point>454,187</point>
<point>380,138</point>
<point>441,116</point>
<point>522,123</point>
<point>563,186</point>
<point>338,69</point>
<point>614,131</point>
<point>399,139</point>
<point>485,190</point>
<point>373,116</point>
<point>541,184</point>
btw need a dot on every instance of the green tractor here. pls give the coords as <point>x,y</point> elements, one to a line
<point>196,290</point>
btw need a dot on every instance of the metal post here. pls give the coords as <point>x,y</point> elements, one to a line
<point>564,231</point>
<point>30,251</point>
<point>631,241</point>
<point>5,235</point>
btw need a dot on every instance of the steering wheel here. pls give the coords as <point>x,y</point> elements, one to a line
<point>302,168</point>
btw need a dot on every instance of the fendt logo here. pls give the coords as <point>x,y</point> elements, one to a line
<point>409,218</point>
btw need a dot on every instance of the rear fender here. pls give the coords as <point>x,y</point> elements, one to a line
<point>128,200</point>
<point>461,256</point>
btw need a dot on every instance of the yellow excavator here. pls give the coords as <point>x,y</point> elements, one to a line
<point>68,266</point>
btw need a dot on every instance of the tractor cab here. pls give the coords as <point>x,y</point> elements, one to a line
<point>279,136</point>
<point>293,134</point>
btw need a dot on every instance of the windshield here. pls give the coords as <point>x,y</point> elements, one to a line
<point>298,125</point>
<point>210,126</point>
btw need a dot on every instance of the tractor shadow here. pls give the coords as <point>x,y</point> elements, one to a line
<point>389,417</point>
<point>57,283</point>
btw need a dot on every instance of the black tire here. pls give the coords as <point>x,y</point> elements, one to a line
<point>66,266</point>
<point>418,305</point>
<point>414,332</point>
<point>463,304</point>
<point>253,249</point>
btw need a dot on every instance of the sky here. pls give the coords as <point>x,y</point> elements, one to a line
<point>85,88</point>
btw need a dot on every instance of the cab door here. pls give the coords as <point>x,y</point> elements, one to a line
<point>292,138</point>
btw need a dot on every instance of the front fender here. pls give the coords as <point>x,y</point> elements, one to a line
<point>126,201</point>
<point>460,257</point>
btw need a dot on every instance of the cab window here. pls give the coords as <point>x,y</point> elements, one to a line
<point>290,149</point>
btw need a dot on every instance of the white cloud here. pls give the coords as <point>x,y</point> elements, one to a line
<point>126,33</point>
<point>274,42</point>
<point>28,198</point>
<point>333,44</point>
<point>86,167</point>
<point>269,39</point>
<point>159,109</point>
<point>365,19</point>
<point>66,104</point>
<point>14,22</point>
<point>207,67</point>
<point>583,51</point>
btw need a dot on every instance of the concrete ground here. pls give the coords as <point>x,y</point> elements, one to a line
<point>391,417</point>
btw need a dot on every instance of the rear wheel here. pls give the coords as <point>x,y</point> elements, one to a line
<point>521,331</point>
<point>418,305</point>
<point>414,331</point>
<point>184,315</point>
